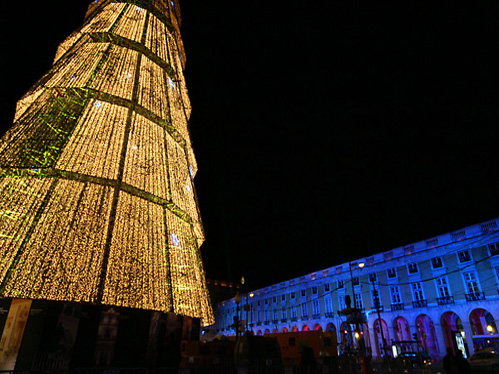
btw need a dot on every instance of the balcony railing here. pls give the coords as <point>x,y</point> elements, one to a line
<point>266,322</point>
<point>258,323</point>
<point>304,317</point>
<point>380,308</point>
<point>397,306</point>
<point>419,303</point>
<point>275,321</point>
<point>445,300</point>
<point>476,296</point>
<point>294,319</point>
<point>284,320</point>
<point>316,316</point>
<point>329,314</point>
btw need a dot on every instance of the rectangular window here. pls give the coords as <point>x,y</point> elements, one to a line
<point>259,316</point>
<point>341,284</point>
<point>284,313</point>
<point>304,310</point>
<point>417,291</point>
<point>266,316</point>
<point>464,256</point>
<point>358,301</point>
<point>341,300</point>
<point>413,268</point>
<point>314,290</point>
<point>355,281</point>
<point>328,303</point>
<point>436,262</point>
<point>373,277</point>
<point>315,307</point>
<point>292,295</point>
<point>327,288</point>
<point>276,315</point>
<point>283,297</point>
<point>293,312</point>
<point>266,301</point>
<point>303,293</point>
<point>392,273</point>
<point>471,282</point>
<point>395,294</point>
<point>494,249</point>
<point>274,299</point>
<point>442,287</point>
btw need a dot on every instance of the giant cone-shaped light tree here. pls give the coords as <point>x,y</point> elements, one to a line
<point>97,201</point>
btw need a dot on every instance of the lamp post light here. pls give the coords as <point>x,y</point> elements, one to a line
<point>247,308</point>
<point>237,299</point>
<point>380,325</point>
<point>355,314</point>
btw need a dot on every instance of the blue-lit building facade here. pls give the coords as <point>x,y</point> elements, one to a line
<point>442,291</point>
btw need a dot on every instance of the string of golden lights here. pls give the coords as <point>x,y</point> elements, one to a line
<point>98,201</point>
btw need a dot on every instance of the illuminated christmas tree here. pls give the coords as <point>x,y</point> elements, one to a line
<point>97,199</point>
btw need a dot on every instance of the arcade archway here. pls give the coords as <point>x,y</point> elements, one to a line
<point>453,331</point>
<point>427,334</point>
<point>402,333</point>
<point>380,332</point>
<point>482,322</point>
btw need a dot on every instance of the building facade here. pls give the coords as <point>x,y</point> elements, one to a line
<point>442,292</point>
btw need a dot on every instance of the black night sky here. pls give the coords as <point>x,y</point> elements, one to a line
<point>324,131</point>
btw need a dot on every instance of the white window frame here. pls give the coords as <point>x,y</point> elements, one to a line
<point>358,300</point>
<point>442,284</point>
<point>341,301</point>
<point>315,307</point>
<point>304,310</point>
<point>417,291</point>
<point>391,271</point>
<point>441,262</point>
<point>495,247</point>
<point>395,294</point>
<point>465,252</point>
<point>412,265</point>
<point>467,282</point>
<point>328,304</point>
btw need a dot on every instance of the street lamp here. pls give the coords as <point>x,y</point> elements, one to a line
<point>237,299</point>
<point>356,313</point>
<point>380,325</point>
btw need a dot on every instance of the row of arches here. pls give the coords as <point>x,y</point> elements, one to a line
<point>317,327</point>
<point>481,322</point>
<point>452,330</point>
